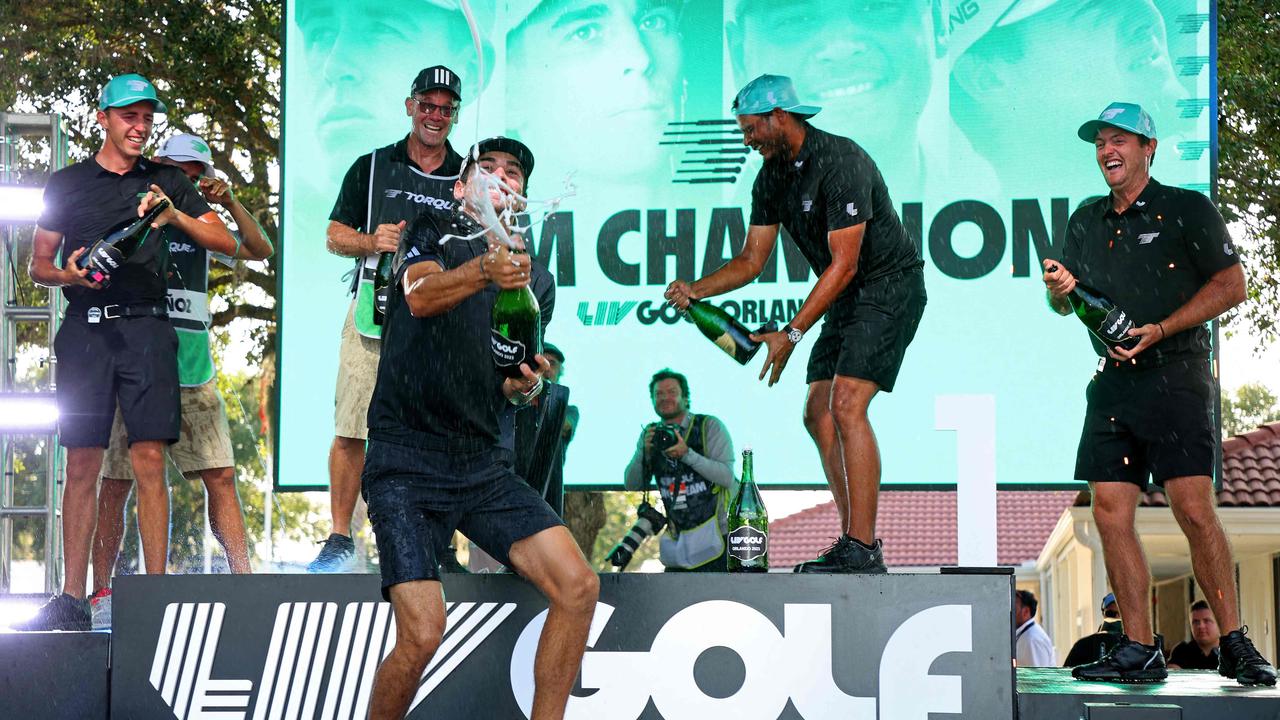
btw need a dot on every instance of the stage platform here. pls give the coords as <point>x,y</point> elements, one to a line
<point>1052,694</point>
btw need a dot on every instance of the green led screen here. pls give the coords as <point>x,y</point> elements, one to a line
<point>969,107</point>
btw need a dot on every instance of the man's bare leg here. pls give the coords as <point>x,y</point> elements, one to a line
<point>420,623</point>
<point>1114,505</point>
<point>153,503</point>
<point>226,516</point>
<point>1192,502</point>
<point>850,398</point>
<point>552,561</point>
<point>113,495</point>
<point>346,462</point>
<point>79,516</point>
<point>822,428</point>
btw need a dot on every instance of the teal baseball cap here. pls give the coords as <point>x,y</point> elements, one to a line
<point>128,89</point>
<point>1126,116</point>
<point>768,92</point>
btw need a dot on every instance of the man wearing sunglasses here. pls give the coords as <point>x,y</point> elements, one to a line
<point>382,192</point>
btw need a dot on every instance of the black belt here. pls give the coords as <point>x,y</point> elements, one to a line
<point>114,312</point>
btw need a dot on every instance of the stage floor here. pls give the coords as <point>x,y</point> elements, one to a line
<point>1052,694</point>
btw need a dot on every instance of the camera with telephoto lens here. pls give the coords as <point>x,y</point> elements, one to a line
<point>648,522</point>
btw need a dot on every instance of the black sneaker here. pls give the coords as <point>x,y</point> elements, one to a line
<point>1128,661</point>
<point>847,555</point>
<point>337,556</point>
<point>1239,659</point>
<point>62,612</point>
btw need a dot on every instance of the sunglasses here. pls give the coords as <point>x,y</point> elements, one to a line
<point>427,108</point>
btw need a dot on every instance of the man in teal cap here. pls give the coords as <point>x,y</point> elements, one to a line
<point>1164,256</point>
<point>831,198</point>
<point>115,344</point>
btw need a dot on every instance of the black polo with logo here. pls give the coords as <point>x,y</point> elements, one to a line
<point>833,184</point>
<point>432,190</point>
<point>85,201</point>
<point>1151,258</point>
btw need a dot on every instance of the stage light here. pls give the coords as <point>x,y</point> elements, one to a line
<point>29,413</point>
<point>14,610</point>
<point>20,203</point>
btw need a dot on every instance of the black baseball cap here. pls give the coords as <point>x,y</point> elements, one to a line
<point>500,143</point>
<point>437,77</point>
<point>553,351</point>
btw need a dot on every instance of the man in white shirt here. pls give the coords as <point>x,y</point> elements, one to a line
<point>1035,649</point>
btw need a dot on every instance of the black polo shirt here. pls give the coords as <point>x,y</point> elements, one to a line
<point>1187,656</point>
<point>437,386</point>
<point>1151,258</point>
<point>85,201</point>
<point>833,184</point>
<point>352,206</point>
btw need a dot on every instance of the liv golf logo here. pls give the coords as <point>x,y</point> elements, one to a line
<point>320,663</point>
<point>303,643</point>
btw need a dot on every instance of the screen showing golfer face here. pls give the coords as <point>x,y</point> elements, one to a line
<point>969,108</point>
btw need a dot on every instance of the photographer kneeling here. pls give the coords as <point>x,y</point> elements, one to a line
<point>690,458</point>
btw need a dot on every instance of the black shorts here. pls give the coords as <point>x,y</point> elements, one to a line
<point>418,497</point>
<point>868,338</point>
<point>1152,422</point>
<point>134,360</point>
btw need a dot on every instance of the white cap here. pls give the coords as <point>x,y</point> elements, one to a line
<point>186,147</point>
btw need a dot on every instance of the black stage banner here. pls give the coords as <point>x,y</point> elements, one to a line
<point>661,647</point>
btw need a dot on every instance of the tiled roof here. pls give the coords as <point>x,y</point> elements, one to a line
<point>919,527</point>
<point>1250,471</point>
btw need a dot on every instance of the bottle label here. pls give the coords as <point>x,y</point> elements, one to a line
<point>1116,326</point>
<point>506,352</point>
<point>747,544</point>
<point>725,343</point>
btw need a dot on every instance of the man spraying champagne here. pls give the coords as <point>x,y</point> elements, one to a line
<point>829,195</point>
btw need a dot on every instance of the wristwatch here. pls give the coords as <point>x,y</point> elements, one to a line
<point>793,334</point>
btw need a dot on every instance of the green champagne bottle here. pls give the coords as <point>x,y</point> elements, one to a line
<point>517,330</point>
<point>748,524</point>
<point>382,287</point>
<point>1100,315</point>
<point>111,252</point>
<point>724,332</point>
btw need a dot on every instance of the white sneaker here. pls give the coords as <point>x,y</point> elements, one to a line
<point>100,609</point>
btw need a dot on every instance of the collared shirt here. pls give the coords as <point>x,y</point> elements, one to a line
<point>1152,258</point>
<point>1035,649</point>
<point>832,184</point>
<point>85,202</point>
<point>433,190</point>
<point>715,463</point>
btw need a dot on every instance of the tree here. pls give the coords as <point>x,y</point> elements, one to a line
<point>216,63</point>
<point>1251,405</point>
<point>1249,148</point>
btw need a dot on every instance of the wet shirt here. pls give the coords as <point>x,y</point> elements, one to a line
<point>422,190</point>
<point>1152,258</point>
<point>85,202</point>
<point>833,184</point>
<point>437,385</point>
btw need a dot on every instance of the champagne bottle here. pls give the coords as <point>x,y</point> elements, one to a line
<point>1099,313</point>
<point>748,524</point>
<point>726,333</point>
<point>108,254</point>
<point>516,330</point>
<point>382,287</point>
